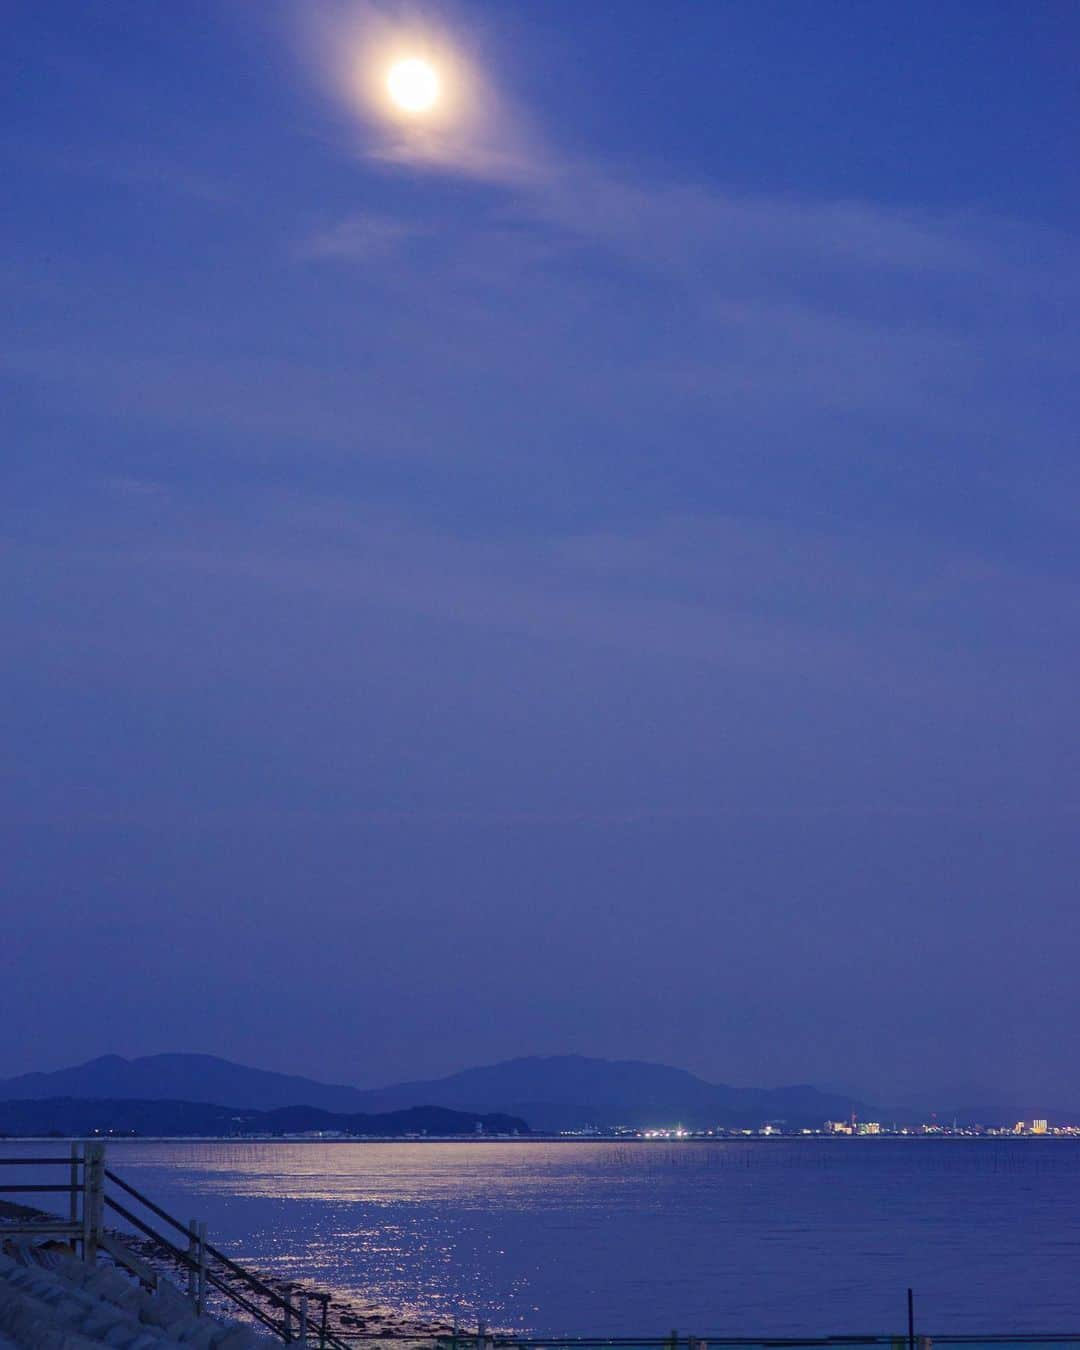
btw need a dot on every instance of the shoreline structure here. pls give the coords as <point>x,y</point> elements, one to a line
<point>346,1317</point>
<point>49,1264</point>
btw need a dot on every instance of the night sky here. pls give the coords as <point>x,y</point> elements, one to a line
<point>595,569</point>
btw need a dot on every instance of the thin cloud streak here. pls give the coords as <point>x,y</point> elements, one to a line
<point>835,306</point>
<point>733,594</point>
<point>361,238</point>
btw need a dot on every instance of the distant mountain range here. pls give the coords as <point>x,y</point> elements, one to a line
<point>551,1093</point>
<point>191,1078</point>
<point>85,1116</point>
<point>563,1092</point>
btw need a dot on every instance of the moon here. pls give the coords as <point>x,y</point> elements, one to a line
<point>413,85</point>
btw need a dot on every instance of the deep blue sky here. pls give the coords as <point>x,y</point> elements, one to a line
<point>600,574</point>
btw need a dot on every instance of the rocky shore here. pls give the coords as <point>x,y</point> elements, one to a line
<point>347,1317</point>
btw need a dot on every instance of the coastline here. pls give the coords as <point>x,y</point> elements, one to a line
<point>653,1139</point>
<point>350,1317</point>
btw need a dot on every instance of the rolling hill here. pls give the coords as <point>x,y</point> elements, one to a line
<point>86,1116</point>
<point>556,1092</point>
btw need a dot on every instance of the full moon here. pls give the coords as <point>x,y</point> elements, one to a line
<point>413,85</point>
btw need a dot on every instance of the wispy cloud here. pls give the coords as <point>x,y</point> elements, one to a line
<point>364,237</point>
<point>735,595</point>
<point>760,307</point>
<point>474,130</point>
<point>130,166</point>
<point>659,222</point>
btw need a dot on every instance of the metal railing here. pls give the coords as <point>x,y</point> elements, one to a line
<point>297,1319</point>
<point>209,1268</point>
<point>676,1341</point>
<point>484,1339</point>
<point>85,1165</point>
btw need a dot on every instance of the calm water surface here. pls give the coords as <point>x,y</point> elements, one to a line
<point>727,1238</point>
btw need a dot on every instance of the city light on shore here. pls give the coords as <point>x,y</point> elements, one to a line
<point>779,1129</point>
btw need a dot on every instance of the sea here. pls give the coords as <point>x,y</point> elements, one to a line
<point>755,1238</point>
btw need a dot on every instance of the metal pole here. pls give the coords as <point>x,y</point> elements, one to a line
<point>322,1327</point>
<point>910,1320</point>
<point>303,1320</point>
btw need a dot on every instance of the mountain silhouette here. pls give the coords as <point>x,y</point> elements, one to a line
<point>76,1116</point>
<point>555,1092</point>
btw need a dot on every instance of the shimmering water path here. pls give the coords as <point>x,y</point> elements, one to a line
<point>729,1238</point>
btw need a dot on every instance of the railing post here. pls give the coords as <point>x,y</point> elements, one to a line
<point>193,1260</point>
<point>200,1302</point>
<point>303,1320</point>
<point>322,1324</point>
<point>73,1199</point>
<point>86,1208</point>
<point>93,1197</point>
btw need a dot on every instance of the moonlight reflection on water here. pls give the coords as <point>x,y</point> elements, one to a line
<point>733,1238</point>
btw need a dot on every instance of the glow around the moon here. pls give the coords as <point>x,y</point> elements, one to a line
<point>413,85</point>
<point>420,94</point>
